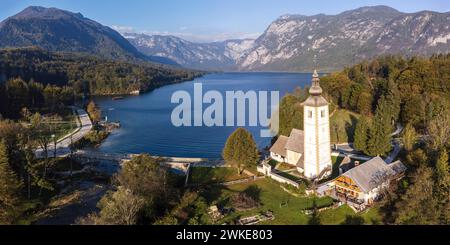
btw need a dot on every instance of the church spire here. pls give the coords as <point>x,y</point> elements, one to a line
<point>315,87</point>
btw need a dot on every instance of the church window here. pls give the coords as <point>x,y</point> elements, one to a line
<point>322,113</point>
<point>310,114</point>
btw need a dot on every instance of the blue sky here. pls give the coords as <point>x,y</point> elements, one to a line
<point>207,20</point>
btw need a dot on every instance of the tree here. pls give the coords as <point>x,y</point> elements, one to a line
<point>240,150</point>
<point>364,105</point>
<point>167,220</point>
<point>418,205</point>
<point>10,190</point>
<point>120,207</point>
<point>361,134</point>
<point>40,132</point>
<point>417,158</point>
<point>439,131</point>
<point>443,177</point>
<point>290,114</point>
<point>409,137</point>
<point>145,177</point>
<point>17,91</point>
<point>94,112</point>
<point>379,142</point>
<point>12,134</point>
<point>413,111</point>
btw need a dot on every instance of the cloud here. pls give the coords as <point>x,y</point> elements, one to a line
<point>123,29</point>
<point>200,37</point>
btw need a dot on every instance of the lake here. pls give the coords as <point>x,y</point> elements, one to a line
<point>146,119</point>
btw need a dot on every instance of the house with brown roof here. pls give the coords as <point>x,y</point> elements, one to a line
<point>364,183</point>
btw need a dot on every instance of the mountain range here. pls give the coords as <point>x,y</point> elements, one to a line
<point>292,41</point>
<point>53,29</point>
<point>209,56</point>
<point>288,44</point>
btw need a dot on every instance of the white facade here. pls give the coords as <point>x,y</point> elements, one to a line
<point>277,157</point>
<point>316,123</point>
<point>293,157</point>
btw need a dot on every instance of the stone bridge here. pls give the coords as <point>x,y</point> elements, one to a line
<point>176,163</point>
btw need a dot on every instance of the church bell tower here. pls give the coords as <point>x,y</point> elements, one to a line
<point>316,123</point>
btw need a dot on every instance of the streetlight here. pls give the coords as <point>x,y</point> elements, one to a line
<point>54,142</point>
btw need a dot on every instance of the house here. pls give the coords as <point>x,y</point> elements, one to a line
<point>289,149</point>
<point>363,184</point>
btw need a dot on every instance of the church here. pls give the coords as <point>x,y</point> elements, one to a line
<point>309,149</point>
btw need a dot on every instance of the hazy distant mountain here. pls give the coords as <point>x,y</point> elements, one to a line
<point>291,41</point>
<point>210,56</point>
<point>59,30</point>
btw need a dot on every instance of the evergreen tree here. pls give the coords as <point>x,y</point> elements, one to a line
<point>379,142</point>
<point>10,190</point>
<point>409,137</point>
<point>361,131</point>
<point>240,150</point>
<point>364,104</point>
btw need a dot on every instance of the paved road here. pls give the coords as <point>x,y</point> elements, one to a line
<point>62,146</point>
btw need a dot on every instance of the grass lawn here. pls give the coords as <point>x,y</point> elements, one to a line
<point>285,166</point>
<point>286,207</point>
<point>343,124</point>
<point>205,175</point>
<point>345,215</point>
<point>271,197</point>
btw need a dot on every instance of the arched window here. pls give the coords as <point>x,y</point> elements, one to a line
<point>322,113</point>
<point>310,114</point>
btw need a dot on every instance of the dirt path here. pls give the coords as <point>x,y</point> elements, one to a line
<point>78,202</point>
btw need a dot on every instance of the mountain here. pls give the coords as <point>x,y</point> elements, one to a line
<point>291,42</point>
<point>209,56</point>
<point>59,30</point>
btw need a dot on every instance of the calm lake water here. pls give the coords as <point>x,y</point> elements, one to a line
<point>146,120</point>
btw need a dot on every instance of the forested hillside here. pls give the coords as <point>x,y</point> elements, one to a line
<point>70,74</point>
<point>413,92</point>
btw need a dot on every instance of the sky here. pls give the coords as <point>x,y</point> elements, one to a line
<point>207,20</point>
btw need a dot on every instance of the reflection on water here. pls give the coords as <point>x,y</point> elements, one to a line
<point>145,120</point>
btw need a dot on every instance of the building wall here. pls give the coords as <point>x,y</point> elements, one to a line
<point>277,157</point>
<point>317,140</point>
<point>293,157</point>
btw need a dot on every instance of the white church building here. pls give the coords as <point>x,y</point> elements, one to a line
<point>309,149</point>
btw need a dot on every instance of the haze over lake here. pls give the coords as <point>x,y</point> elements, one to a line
<point>146,120</point>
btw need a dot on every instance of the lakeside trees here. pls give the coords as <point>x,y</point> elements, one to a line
<point>94,112</point>
<point>241,150</point>
<point>20,94</point>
